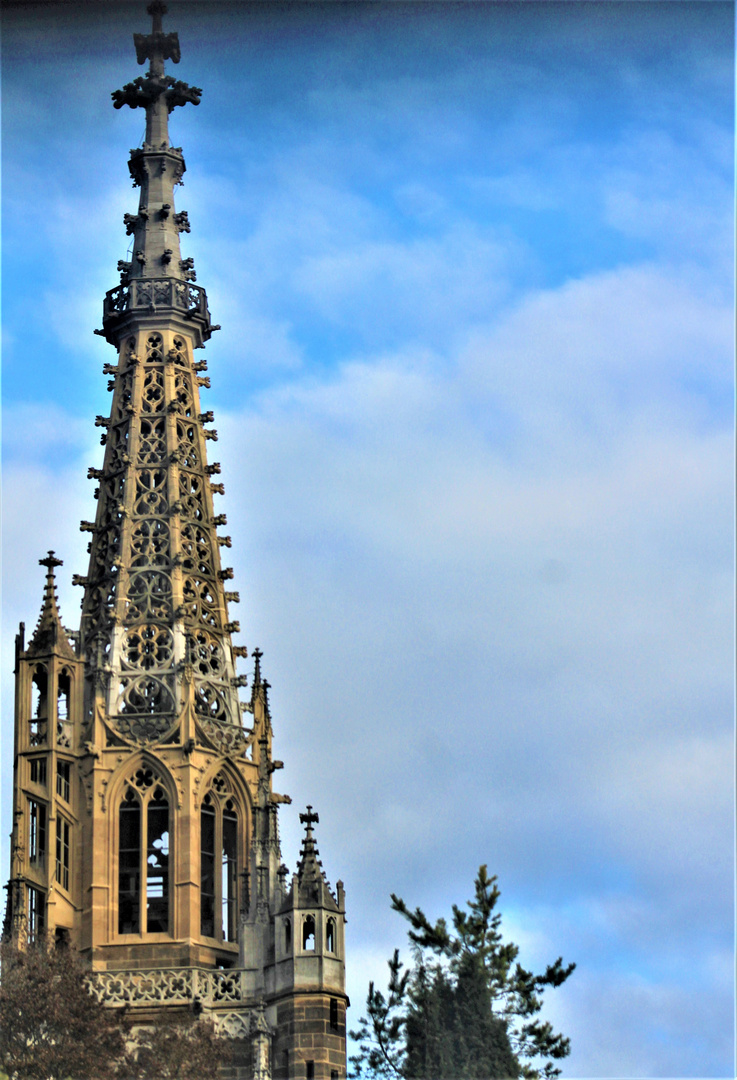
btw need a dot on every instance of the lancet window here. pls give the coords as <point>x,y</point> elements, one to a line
<point>62,852</point>
<point>38,771</point>
<point>63,695</point>
<point>63,780</point>
<point>219,863</point>
<point>39,706</point>
<point>36,914</point>
<point>36,833</point>
<point>143,856</point>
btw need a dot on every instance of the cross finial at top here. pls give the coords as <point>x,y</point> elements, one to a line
<point>309,819</point>
<point>50,561</point>
<point>257,654</point>
<point>156,46</point>
<point>156,9</point>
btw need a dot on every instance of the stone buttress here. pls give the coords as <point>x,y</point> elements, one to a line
<point>145,821</point>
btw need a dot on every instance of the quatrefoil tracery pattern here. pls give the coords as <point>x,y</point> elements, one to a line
<point>148,647</point>
<point>152,397</point>
<point>150,543</point>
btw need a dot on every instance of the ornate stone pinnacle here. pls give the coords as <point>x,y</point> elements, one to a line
<point>49,633</point>
<point>257,654</point>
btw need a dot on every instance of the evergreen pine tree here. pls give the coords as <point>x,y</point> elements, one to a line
<point>469,1012</point>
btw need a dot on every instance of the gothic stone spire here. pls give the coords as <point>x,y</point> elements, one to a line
<point>157,167</point>
<point>155,621</point>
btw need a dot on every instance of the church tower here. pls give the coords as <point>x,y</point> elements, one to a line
<point>145,827</point>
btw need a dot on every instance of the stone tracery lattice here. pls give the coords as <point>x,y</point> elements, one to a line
<point>166,609</point>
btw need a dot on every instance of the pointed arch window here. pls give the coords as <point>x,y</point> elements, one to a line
<point>39,705</point>
<point>36,833</point>
<point>143,857</point>
<point>63,831</point>
<point>63,705</point>
<point>36,914</point>
<point>219,863</point>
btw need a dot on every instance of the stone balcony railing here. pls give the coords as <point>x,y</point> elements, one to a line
<point>221,994</point>
<point>211,987</point>
<point>149,295</point>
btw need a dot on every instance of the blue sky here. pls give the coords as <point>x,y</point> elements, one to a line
<point>474,389</point>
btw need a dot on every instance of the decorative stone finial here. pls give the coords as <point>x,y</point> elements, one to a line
<point>49,633</point>
<point>257,654</point>
<point>156,9</point>
<point>309,863</point>
<point>157,92</point>
<point>51,561</point>
<point>309,819</point>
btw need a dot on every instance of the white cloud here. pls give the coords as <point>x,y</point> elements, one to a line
<point>39,430</point>
<point>513,649</point>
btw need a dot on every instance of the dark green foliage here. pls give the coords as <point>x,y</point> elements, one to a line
<point>50,1026</point>
<point>465,1010</point>
<point>181,1049</point>
<point>451,1031</point>
<point>382,1034</point>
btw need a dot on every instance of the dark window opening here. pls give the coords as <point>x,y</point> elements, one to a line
<point>287,935</point>
<point>218,870</point>
<point>129,868</point>
<point>63,693</point>
<point>308,933</point>
<point>207,869</point>
<point>157,865</point>
<point>36,914</point>
<point>61,938</point>
<point>229,879</point>
<point>38,771</point>
<point>62,696</point>
<point>334,1014</point>
<point>63,780</point>
<point>36,833</point>
<point>39,706</point>
<point>40,694</point>
<point>330,936</point>
<point>310,1070</point>
<point>62,852</point>
<point>333,1074</point>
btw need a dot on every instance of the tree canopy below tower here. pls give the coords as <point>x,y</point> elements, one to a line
<point>466,1008</point>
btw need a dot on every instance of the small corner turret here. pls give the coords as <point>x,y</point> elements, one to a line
<point>310,966</point>
<point>44,894</point>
